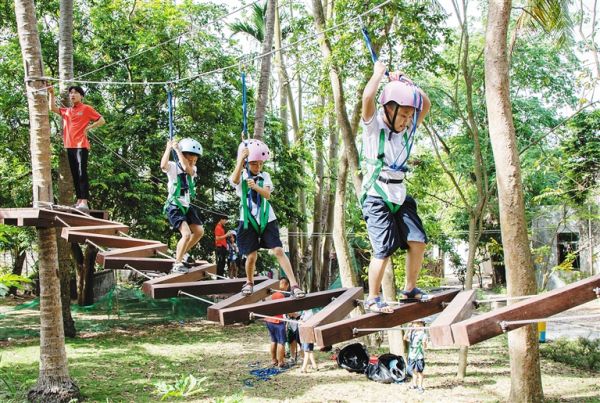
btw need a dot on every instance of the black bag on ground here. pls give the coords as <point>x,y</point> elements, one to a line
<point>389,368</point>
<point>354,358</point>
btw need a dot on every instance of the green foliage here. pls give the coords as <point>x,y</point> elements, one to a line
<point>185,386</point>
<point>9,280</point>
<point>581,353</point>
<point>425,280</point>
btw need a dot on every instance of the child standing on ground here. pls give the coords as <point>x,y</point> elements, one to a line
<point>258,225</point>
<point>308,348</point>
<point>232,255</point>
<point>390,214</point>
<point>181,214</point>
<point>418,340</point>
<point>76,126</point>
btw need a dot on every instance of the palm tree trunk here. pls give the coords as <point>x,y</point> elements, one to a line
<point>65,189</point>
<point>265,72</point>
<point>526,382</point>
<point>54,383</point>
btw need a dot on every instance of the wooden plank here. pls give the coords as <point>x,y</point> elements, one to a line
<point>343,330</point>
<point>485,326</point>
<point>140,263</point>
<point>460,308</point>
<point>261,291</point>
<point>229,286</point>
<point>138,251</point>
<point>336,310</point>
<point>72,219</point>
<point>15,213</point>
<point>107,241</point>
<point>112,229</point>
<point>195,274</point>
<point>241,313</point>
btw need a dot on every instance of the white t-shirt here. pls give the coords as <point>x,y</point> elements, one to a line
<point>394,153</point>
<point>253,207</point>
<point>174,169</point>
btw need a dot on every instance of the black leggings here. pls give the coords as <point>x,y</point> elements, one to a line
<point>78,161</point>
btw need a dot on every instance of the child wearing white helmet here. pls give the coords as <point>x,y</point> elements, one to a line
<point>258,225</point>
<point>181,214</point>
<point>390,214</point>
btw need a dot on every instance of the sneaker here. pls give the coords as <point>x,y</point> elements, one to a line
<point>420,390</point>
<point>179,267</point>
<point>82,207</point>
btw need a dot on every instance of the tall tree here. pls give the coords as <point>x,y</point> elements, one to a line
<point>265,71</point>
<point>526,381</point>
<point>65,189</point>
<point>54,383</point>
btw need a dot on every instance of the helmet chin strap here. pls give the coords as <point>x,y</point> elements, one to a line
<point>391,121</point>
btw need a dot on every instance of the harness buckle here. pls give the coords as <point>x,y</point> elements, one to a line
<point>389,181</point>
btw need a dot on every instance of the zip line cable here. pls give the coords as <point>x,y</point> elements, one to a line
<point>220,69</point>
<point>166,41</point>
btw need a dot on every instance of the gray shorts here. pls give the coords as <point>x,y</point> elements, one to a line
<point>387,231</point>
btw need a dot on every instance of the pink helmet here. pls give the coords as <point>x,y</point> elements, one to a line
<point>402,93</point>
<point>258,150</point>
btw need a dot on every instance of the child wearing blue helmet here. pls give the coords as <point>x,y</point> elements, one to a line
<point>181,214</point>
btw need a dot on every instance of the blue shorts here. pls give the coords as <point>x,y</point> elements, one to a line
<point>176,216</point>
<point>387,231</point>
<point>249,240</point>
<point>308,346</point>
<point>416,365</point>
<point>277,332</point>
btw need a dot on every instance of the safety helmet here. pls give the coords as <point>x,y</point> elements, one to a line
<point>258,150</point>
<point>402,93</point>
<point>188,145</point>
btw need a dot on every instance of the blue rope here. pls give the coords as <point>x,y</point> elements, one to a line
<point>370,46</point>
<point>244,105</point>
<point>171,126</point>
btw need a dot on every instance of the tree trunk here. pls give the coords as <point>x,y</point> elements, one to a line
<point>331,186</point>
<point>348,276</point>
<point>54,383</point>
<point>65,189</point>
<point>388,285</point>
<point>319,194</point>
<point>265,72</point>
<point>338,95</point>
<point>526,382</point>
<point>89,263</point>
<point>19,256</point>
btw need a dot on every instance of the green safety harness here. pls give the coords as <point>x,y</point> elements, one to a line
<point>174,197</point>
<point>263,207</point>
<point>378,164</point>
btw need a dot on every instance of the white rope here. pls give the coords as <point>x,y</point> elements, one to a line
<point>218,276</point>
<point>496,299</point>
<point>355,331</point>
<point>263,317</point>
<point>126,266</point>
<point>506,323</point>
<point>238,60</point>
<point>195,297</point>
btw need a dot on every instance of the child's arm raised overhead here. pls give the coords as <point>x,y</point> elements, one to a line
<point>52,101</point>
<point>368,99</point>
<point>164,161</point>
<point>239,166</point>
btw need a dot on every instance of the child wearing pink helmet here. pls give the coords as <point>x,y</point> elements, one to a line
<point>390,214</point>
<point>258,225</point>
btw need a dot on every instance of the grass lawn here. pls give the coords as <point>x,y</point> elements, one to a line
<point>124,362</point>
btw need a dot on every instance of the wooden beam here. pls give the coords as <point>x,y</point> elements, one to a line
<point>229,286</point>
<point>14,213</point>
<point>139,263</point>
<point>241,313</point>
<point>195,274</point>
<point>336,310</point>
<point>72,219</point>
<point>343,330</point>
<point>487,325</point>
<point>112,229</point>
<point>460,308</point>
<point>261,291</point>
<point>108,241</point>
<point>138,251</point>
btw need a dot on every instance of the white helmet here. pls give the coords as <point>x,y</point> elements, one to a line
<point>189,145</point>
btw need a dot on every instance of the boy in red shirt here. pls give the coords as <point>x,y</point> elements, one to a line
<point>76,125</point>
